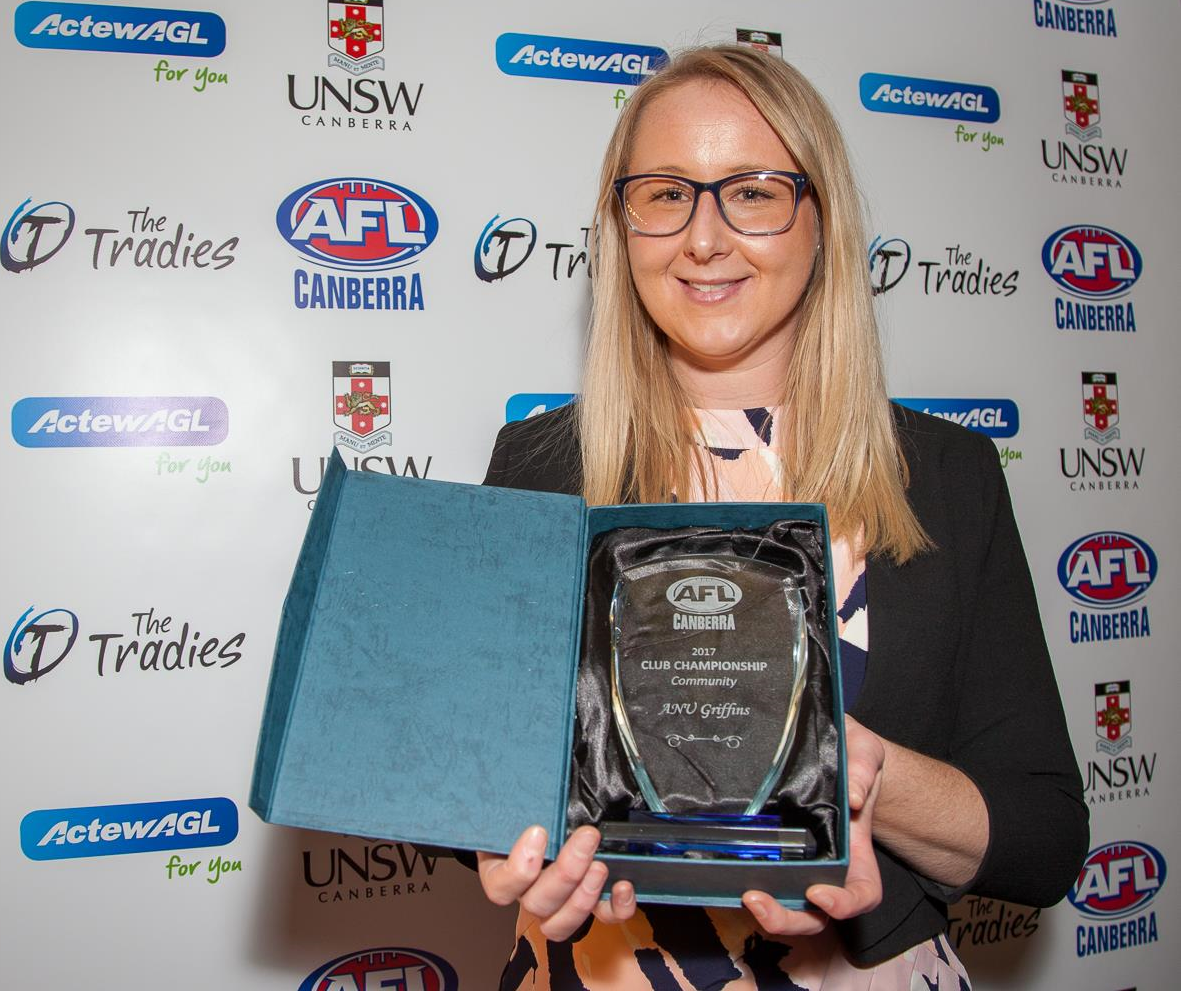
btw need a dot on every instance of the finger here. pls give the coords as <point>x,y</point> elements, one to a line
<point>862,890</point>
<point>774,918</point>
<point>620,907</point>
<point>578,906</point>
<point>505,879</point>
<point>558,881</point>
<point>864,754</point>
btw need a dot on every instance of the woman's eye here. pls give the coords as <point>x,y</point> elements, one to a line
<point>752,194</point>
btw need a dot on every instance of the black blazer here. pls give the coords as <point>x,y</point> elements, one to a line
<point>958,669</point>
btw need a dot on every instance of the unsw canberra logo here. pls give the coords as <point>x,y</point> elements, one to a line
<point>1106,467</point>
<point>1118,770</point>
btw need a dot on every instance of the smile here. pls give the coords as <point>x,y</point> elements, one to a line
<point>710,291</point>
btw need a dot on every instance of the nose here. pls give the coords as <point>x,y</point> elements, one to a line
<point>707,235</point>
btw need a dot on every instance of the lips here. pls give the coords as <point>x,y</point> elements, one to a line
<point>711,290</point>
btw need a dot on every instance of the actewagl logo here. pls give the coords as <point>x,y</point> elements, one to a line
<point>108,28</point>
<point>144,827</point>
<point>929,98</point>
<point>119,421</point>
<point>577,58</point>
<point>991,417</point>
<point>524,405</point>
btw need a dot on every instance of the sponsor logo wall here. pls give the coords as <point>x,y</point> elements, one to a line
<point>236,237</point>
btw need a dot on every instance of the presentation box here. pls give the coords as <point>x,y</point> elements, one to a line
<point>423,686</point>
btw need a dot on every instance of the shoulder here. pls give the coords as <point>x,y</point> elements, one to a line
<point>540,453</point>
<point>945,460</point>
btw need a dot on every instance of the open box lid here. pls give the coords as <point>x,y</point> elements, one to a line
<point>423,679</point>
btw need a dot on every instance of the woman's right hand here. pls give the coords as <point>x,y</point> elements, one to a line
<point>562,894</point>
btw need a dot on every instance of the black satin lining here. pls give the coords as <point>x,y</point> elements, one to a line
<point>601,784</point>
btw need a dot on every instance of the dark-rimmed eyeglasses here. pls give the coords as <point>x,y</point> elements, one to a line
<point>762,202</point>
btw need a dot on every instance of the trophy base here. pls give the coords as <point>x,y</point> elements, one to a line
<point>707,836</point>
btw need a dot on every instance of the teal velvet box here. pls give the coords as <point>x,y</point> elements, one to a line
<point>424,674</point>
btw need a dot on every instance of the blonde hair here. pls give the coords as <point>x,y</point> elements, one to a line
<point>839,446</point>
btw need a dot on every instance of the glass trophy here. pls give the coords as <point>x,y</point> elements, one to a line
<point>709,659</point>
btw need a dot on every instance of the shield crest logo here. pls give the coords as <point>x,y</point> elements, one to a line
<point>1113,716</point>
<point>1080,104</point>
<point>355,35</point>
<point>1100,407</point>
<point>361,401</point>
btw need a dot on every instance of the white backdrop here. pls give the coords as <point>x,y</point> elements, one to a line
<point>182,526</point>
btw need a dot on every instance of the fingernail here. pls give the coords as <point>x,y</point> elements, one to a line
<point>856,797</point>
<point>535,841</point>
<point>626,895</point>
<point>587,843</point>
<point>756,905</point>
<point>595,876</point>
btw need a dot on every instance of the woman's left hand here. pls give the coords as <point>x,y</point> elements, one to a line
<point>865,753</point>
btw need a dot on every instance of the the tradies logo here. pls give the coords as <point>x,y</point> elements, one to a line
<point>110,28</point>
<point>33,235</point>
<point>119,421</point>
<point>957,273</point>
<point>611,62</point>
<point>355,35</point>
<point>39,641</point>
<point>143,827</point>
<point>1092,263</point>
<point>1083,162</point>
<point>1118,776</point>
<point>525,405</point>
<point>976,921</point>
<point>1109,468</point>
<point>362,870</point>
<point>770,42</point>
<point>504,245</point>
<point>1108,570</point>
<point>1079,16</point>
<point>394,968</point>
<point>1117,880</point>
<point>361,396</point>
<point>887,94</point>
<point>703,602</point>
<point>358,225</point>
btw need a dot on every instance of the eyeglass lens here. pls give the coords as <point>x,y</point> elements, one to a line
<point>752,204</point>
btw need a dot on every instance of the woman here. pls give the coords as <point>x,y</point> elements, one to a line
<point>733,356</point>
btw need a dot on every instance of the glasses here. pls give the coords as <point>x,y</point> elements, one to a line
<point>750,202</point>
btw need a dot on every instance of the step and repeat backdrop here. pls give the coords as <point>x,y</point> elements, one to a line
<point>239,235</point>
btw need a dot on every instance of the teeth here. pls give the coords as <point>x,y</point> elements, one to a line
<point>710,286</point>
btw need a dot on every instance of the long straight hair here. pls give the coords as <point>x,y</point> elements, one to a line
<point>839,445</point>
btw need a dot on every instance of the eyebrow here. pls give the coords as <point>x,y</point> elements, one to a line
<point>733,170</point>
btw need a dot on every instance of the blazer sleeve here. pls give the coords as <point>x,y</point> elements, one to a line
<point>1010,735</point>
